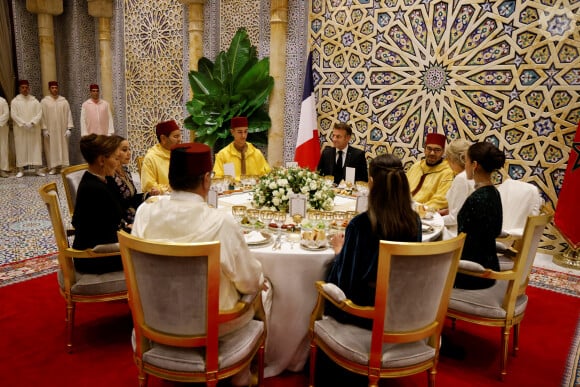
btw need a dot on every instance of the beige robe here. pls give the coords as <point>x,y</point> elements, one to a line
<point>4,139</point>
<point>27,141</point>
<point>96,118</point>
<point>56,118</point>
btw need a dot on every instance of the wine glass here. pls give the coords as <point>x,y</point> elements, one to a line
<point>239,212</point>
<point>339,217</point>
<point>279,218</point>
<point>253,216</point>
<point>266,216</point>
<point>327,217</point>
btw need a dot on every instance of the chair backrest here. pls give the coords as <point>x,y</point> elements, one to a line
<point>49,194</point>
<point>71,177</point>
<point>186,274</point>
<point>527,249</point>
<point>519,200</point>
<point>414,282</point>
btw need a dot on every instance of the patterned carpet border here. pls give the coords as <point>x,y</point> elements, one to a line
<point>555,281</point>
<point>24,270</point>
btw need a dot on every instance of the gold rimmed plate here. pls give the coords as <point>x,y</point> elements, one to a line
<point>314,248</point>
<point>267,238</point>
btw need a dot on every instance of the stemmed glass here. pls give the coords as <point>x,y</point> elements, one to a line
<point>239,212</point>
<point>327,217</point>
<point>339,218</point>
<point>279,218</point>
<point>253,216</point>
<point>266,216</point>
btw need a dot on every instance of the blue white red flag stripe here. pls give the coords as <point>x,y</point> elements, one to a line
<point>307,143</point>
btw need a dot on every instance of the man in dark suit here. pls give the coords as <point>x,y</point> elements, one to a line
<point>334,160</point>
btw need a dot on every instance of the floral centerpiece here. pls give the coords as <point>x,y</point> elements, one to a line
<point>273,189</point>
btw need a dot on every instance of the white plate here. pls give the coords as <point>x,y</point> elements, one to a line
<point>313,248</point>
<point>267,239</point>
<point>427,228</point>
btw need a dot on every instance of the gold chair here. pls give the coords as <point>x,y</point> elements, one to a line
<point>174,300</point>
<point>71,177</point>
<point>413,284</point>
<point>74,286</point>
<point>504,304</point>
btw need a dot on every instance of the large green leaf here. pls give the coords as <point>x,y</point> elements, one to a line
<point>205,66</point>
<point>202,84</point>
<point>220,68</point>
<point>239,52</point>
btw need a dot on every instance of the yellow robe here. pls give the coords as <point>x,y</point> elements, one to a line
<point>155,169</point>
<point>435,186</point>
<point>256,164</point>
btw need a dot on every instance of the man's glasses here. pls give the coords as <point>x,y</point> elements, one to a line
<point>433,150</point>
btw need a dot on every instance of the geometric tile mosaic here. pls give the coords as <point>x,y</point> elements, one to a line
<point>501,71</point>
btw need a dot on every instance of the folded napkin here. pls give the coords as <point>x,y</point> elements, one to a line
<point>254,237</point>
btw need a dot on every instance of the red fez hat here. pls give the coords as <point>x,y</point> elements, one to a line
<point>189,159</point>
<point>166,127</point>
<point>239,122</point>
<point>23,82</point>
<point>435,139</point>
<point>52,83</point>
<point>94,86</point>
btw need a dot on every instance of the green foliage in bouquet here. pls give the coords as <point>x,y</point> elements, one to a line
<point>273,189</point>
<point>236,84</point>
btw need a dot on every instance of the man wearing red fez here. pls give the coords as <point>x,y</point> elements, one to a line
<point>431,178</point>
<point>96,116</point>
<point>241,156</point>
<point>26,113</point>
<point>155,168</point>
<point>57,124</point>
<point>187,218</point>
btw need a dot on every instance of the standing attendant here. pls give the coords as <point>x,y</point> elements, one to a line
<point>57,124</point>
<point>96,115</point>
<point>4,116</point>
<point>481,215</point>
<point>26,113</point>
<point>334,160</point>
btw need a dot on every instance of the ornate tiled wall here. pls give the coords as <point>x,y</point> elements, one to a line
<point>154,68</point>
<point>500,71</point>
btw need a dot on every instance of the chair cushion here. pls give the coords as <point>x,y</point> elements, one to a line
<point>353,343</point>
<point>232,349</point>
<point>485,302</point>
<point>95,284</point>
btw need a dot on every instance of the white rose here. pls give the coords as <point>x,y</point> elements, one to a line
<point>272,185</point>
<point>276,201</point>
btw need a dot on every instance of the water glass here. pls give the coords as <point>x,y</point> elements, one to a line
<point>239,212</point>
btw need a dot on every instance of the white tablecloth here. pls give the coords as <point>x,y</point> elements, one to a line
<point>292,272</point>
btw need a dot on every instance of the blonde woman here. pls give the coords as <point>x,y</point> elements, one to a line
<point>460,189</point>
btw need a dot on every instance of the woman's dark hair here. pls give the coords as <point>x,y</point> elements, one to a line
<point>95,145</point>
<point>487,155</point>
<point>390,211</point>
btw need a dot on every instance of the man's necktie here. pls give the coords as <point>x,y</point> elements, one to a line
<point>243,161</point>
<point>338,168</point>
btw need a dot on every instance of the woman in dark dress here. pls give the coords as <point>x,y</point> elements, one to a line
<point>131,199</point>
<point>98,213</point>
<point>389,217</point>
<point>480,216</point>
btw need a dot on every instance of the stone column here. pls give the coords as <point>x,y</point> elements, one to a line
<point>103,11</point>
<point>195,30</point>
<point>46,10</point>
<point>278,39</point>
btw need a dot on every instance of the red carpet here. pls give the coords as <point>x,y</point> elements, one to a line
<point>33,353</point>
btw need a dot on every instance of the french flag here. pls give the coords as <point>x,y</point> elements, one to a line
<point>307,143</point>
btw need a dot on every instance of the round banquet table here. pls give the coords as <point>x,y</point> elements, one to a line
<point>292,271</point>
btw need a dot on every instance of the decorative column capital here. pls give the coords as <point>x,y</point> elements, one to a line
<point>48,7</point>
<point>101,8</point>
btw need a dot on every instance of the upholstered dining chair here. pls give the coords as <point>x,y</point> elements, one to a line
<point>504,304</point>
<point>71,177</point>
<point>413,284</point>
<point>519,200</point>
<point>78,287</point>
<point>174,300</point>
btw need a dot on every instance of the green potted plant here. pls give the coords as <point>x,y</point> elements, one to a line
<point>236,84</point>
